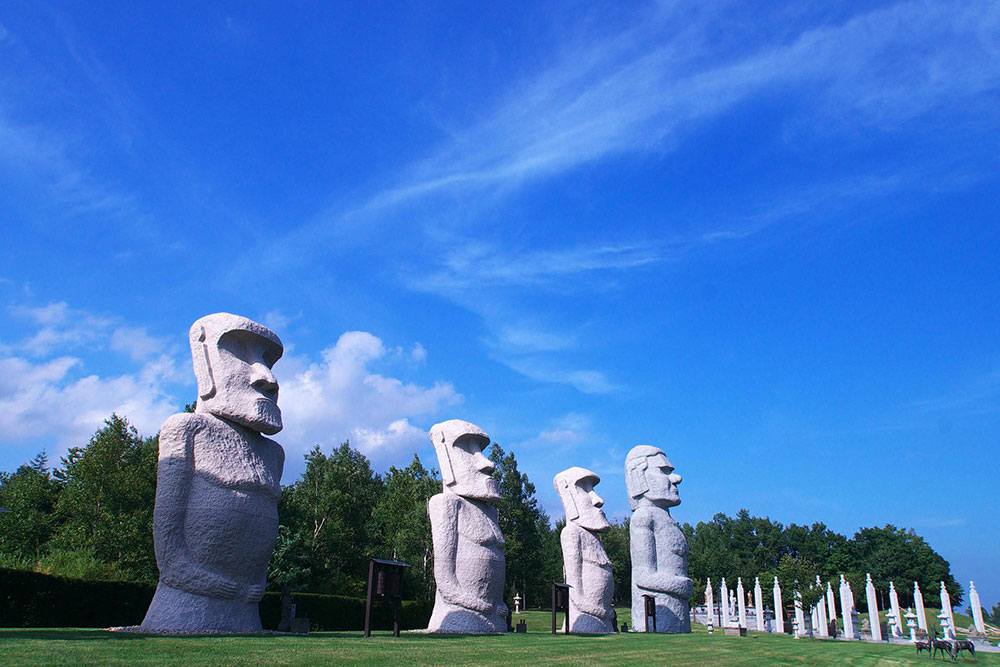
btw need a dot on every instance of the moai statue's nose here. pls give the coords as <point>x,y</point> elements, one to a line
<point>262,379</point>
<point>675,479</point>
<point>596,499</point>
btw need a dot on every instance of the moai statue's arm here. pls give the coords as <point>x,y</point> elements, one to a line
<point>443,510</point>
<point>173,480</point>
<point>645,568</point>
<point>255,592</point>
<point>573,562</point>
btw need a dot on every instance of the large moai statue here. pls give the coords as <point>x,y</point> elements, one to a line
<point>218,483</point>
<point>588,568</point>
<point>468,545</point>
<point>659,548</point>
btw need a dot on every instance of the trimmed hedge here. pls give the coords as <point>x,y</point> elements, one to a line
<point>34,600</point>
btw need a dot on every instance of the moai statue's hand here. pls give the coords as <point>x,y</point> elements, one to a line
<point>255,592</point>
<point>502,610</point>
<point>226,589</point>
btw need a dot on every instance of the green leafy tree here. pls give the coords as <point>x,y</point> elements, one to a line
<point>105,507</point>
<point>332,507</point>
<point>404,526</point>
<point>616,545</point>
<point>523,524</point>
<point>30,494</point>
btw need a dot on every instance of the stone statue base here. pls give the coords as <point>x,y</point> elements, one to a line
<point>450,618</point>
<point>175,611</point>
<point>673,615</point>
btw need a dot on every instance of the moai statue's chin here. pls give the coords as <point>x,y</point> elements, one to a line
<point>468,545</point>
<point>588,568</point>
<point>218,483</point>
<point>658,546</point>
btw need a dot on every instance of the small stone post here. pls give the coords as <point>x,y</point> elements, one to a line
<point>873,619</point>
<point>846,606</point>
<point>896,629</point>
<point>977,608</point>
<point>758,603</point>
<point>724,603</point>
<point>946,609</point>
<point>918,600</point>
<point>741,602</point>
<point>779,610</point>
<point>710,604</point>
<point>831,605</point>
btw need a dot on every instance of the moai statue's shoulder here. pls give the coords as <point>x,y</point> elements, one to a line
<point>444,506</point>
<point>179,430</point>
<point>643,517</point>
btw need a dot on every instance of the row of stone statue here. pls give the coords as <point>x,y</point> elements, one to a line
<point>218,483</point>
<point>733,606</point>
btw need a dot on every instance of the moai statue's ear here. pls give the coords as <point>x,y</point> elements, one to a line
<point>202,365</point>
<point>638,482</point>
<point>447,471</point>
<point>569,502</point>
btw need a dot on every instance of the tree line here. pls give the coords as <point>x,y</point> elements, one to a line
<point>91,517</point>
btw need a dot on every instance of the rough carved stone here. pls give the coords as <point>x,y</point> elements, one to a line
<point>218,482</point>
<point>659,548</point>
<point>588,568</point>
<point>468,545</point>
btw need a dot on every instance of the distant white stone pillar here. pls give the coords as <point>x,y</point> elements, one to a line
<point>710,603</point>
<point>831,603</point>
<point>977,608</point>
<point>758,604</point>
<point>873,619</point>
<point>800,621</point>
<point>946,609</point>
<point>741,601</point>
<point>918,601</point>
<point>779,613</point>
<point>846,605</point>
<point>821,626</point>
<point>724,603</point>
<point>897,626</point>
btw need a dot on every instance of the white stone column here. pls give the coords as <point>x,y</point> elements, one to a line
<point>758,603</point>
<point>820,627</point>
<point>741,601</point>
<point>710,604</point>
<point>846,605</point>
<point>977,608</point>
<point>897,627</point>
<point>724,603</point>
<point>800,621</point>
<point>831,603</point>
<point>779,614</point>
<point>946,609</point>
<point>873,619</point>
<point>918,601</point>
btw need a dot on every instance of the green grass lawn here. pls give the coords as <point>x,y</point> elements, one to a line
<point>82,647</point>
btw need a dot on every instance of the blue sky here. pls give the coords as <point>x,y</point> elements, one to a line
<point>763,237</point>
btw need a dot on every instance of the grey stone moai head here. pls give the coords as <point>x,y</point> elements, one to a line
<point>233,357</point>
<point>465,471</point>
<point>650,475</point>
<point>582,504</point>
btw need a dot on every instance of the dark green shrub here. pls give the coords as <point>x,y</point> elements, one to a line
<point>34,600</point>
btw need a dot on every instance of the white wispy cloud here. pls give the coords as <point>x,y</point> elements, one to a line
<point>340,397</point>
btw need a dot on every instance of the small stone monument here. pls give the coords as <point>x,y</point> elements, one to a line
<point>779,609</point>
<point>873,619</point>
<point>977,608</point>
<point>946,609</point>
<point>657,544</point>
<point>918,602</point>
<point>517,603</point>
<point>588,569</point>
<point>469,563</point>
<point>218,482</point>
<point>758,602</point>
<point>911,624</point>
